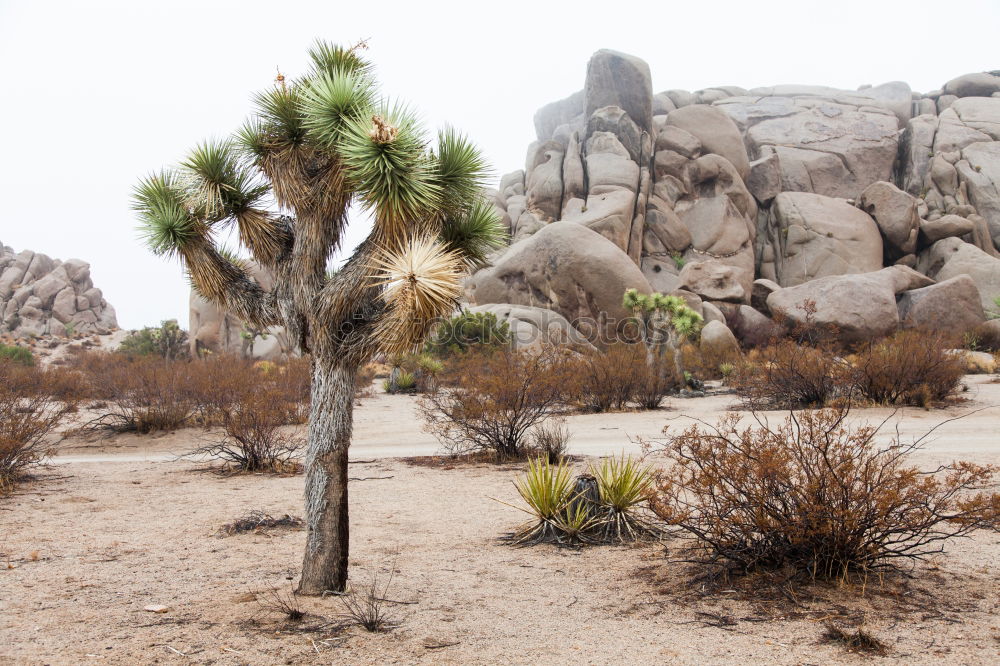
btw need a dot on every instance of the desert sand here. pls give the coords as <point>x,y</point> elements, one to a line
<point>117,525</point>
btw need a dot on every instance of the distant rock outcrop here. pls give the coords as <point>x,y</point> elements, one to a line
<point>44,296</point>
<point>763,202</point>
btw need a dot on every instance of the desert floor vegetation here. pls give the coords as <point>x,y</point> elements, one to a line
<point>815,497</point>
<point>457,594</point>
<point>909,367</point>
<point>457,591</point>
<point>493,401</point>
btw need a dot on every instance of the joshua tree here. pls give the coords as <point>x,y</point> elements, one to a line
<point>665,321</point>
<point>317,145</point>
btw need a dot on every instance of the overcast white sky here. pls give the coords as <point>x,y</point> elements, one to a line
<point>98,93</point>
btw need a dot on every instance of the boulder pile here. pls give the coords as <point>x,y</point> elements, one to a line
<point>878,207</point>
<point>44,296</point>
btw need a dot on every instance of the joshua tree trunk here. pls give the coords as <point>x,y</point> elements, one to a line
<point>324,566</point>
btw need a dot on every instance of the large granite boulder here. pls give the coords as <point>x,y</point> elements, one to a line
<point>613,177</point>
<point>978,84</point>
<point>952,257</point>
<point>812,236</point>
<point>855,307</point>
<point>712,280</point>
<point>44,296</point>
<point>946,226</point>
<point>828,142</point>
<point>544,183</point>
<point>562,112</point>
<point>564,267</point>
<point>979,171</point>
<point>895,214</point>
<point>716,131</point>
<point>718,343</point>
<point>951,306</point>
<point>622,80</point>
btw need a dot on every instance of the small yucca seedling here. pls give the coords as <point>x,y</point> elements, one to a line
<point>624,484</point>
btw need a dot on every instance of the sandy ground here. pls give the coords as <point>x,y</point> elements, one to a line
<point>117,525</point>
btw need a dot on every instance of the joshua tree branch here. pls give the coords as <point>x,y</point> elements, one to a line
<point>227,285</point>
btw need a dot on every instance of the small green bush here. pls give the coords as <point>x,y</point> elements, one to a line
<point>169,342</point>
<point>19,355</point>
<point>405,382</point>
<point>469,330</point>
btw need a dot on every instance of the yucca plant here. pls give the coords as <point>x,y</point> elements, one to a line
<point>546,488</point>
<point>315,146</point>
<point>624,485</point>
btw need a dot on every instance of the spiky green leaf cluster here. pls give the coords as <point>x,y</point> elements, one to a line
<point>165,223</point>
<point>331,101</point>
<point>474,232</point>
<point>393,178</point>
<point>330,58</point>
<point>281,123</point>
<point>460,171</point>
<point>623,482</point>
<point>218,184</point>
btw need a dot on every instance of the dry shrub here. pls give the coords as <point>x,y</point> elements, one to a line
<point>910,367</point>
<point>219,381</point>
<point>144,394</point>
<point>491,401</point>
<point>252,439</point>
<point>655,380</point>
<point>857,641</point>
<point>984,338</point>
<point>787,375</point>
<point>549,439</point>
<point>814,496</point>
<point>606,381</point>
<point>28,415</point>
<point>623,375</point>
<point>294,380</point>
<point>367,607</point>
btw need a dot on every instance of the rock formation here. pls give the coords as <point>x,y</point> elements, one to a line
<point>880,205</point>
<point>44,296</point>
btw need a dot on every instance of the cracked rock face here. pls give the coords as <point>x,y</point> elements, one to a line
<point>44,296</point>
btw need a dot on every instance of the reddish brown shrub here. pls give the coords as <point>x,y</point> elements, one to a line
<point>252,439</point>
<point>28,416</point>
<point>490,401</point>
<point>143,394</point>
<point>815,496</point>
<point>910,367</point>
<point>607,381</point>
<point>787,375</point>
<point>655,380</point>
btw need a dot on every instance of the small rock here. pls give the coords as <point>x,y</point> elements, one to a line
<point>156,608</point>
